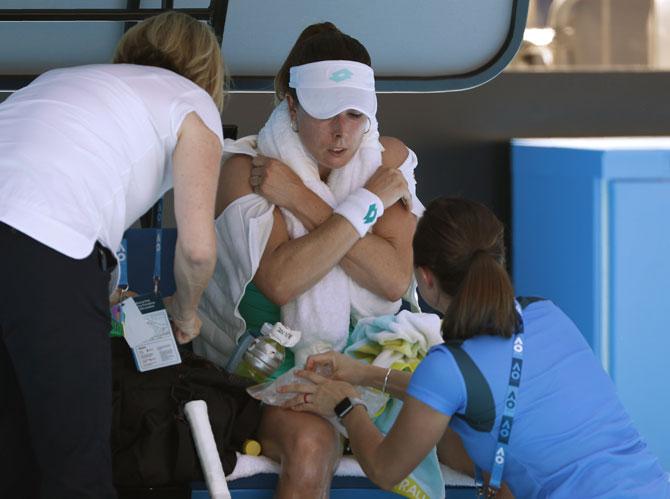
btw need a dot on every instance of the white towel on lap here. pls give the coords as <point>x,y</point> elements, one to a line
<point>249,221</point>
<point>348,466</point>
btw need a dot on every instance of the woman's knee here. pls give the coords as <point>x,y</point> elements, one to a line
<point>311,460</point>
<point>297,439</point>
<point>316,441</point>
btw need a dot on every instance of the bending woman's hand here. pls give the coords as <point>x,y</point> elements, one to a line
<point>319,397</point>
<point>275,181</point>
<point>337,366</point>
<point>184,326</point>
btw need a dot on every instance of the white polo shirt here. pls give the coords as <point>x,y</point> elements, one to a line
<point>85,151</point>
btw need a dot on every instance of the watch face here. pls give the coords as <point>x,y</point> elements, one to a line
<point>342,407</point>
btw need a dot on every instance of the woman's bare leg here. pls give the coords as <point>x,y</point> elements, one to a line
<point>307,447</point>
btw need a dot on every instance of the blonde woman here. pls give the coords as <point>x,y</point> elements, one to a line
<point>85,151</point>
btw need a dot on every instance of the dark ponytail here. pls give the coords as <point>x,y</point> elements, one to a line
<point>318,42</point>
<point>483,303</point>
<point>461,243</point>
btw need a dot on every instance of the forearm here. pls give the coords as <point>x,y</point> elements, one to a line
<point>375,264</point>
<point>192,271</point>
<point>396,383</point>
<point>387,460</point>
<point>296,265</point>
<point>372,262</point>
<point>366,444</point>
<point>310,209</point>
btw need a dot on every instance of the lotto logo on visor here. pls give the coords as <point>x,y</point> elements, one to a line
<point>341,75</point>
<point>327,88</point>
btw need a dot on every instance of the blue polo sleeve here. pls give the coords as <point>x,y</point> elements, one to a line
<point>439,383</point>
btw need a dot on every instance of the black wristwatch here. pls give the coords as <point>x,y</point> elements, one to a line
<point>345,406</point>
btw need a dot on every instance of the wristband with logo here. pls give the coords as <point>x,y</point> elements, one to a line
<point>361,208</point>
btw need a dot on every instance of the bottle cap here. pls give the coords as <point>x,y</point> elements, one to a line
<point>251,448</point>
<point>283,335</point>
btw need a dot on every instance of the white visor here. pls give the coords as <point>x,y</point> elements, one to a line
<point>327,88</point>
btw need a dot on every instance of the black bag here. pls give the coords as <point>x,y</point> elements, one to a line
<point>151,438</point>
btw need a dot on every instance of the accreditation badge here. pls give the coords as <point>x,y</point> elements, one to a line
<point>147,331</point>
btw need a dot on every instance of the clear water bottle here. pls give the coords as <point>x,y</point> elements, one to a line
<point>267,352</point>
<point>306,349</point>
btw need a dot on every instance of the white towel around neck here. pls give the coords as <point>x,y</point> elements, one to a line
<point>323,312</point>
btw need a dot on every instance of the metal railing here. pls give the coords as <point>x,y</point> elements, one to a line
<point>214,14</point>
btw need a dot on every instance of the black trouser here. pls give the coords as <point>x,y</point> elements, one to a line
<point>55,372</point>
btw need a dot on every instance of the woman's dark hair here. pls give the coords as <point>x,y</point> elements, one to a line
<point>461,243</point>
<point>319,42</point>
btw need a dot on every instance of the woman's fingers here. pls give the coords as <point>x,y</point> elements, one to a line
<point>258,160</point>
<point>295,401</point>
<point>186,331</point>
<point>297,388</point>
<point>320,360</point>
<point>303,408</point>
<point>311,376</point>
<point>388,184</point>
<point>257,172</point>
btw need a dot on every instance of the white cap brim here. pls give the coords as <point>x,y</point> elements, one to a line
<point>324,103</point>
<point>327,88</point>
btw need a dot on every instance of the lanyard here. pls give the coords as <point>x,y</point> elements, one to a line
<point>122,256</point>
<point>159,244</point>
<point>507,420</point>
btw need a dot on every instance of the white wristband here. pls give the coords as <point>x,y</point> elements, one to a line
<point>361,208</point>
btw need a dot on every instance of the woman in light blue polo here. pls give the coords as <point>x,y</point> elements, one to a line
<point>514,379</point>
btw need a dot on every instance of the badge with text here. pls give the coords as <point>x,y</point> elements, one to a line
<point>148,332</point>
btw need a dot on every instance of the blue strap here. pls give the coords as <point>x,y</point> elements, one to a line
<point>507,420</point>
<point>508,413</point>
<point>159,213</point>
<point>159,244</point>
<point>479,478</point>
<point>122,255</point>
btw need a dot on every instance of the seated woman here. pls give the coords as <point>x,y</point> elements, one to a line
<point>514,379</point>
<point>311,232</point>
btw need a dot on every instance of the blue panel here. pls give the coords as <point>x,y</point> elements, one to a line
<point>637,164</point>
<point>556,223</point>
<point>591,232</point>
<point>338,494</point>
<point>343,487</point>
<point>640,303</point>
